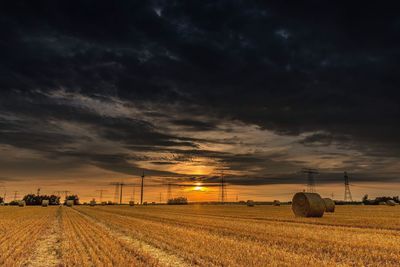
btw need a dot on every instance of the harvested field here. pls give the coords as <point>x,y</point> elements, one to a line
<point>197,235</point>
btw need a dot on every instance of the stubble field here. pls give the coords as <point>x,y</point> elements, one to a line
<point>198,235</point>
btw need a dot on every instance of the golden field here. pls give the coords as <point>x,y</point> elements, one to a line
<point>201,235</point>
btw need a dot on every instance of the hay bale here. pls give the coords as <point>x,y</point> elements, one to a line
<point>250,203</point>
<point>69,203</point>
<point>329,205</point>
<point>277,203</point>
<point>131,203</point>
<point>308,205</point>
<point>21,203</point>
<point>390,203</point>
<point>45,202</point>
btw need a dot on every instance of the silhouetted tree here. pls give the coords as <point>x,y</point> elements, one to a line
<point>75,198</point>
<point>36,200</point>
<point>365,198</point>
<point>13,203</point>
<point>1,200</point>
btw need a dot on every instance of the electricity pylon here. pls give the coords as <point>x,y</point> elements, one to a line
<point>347,193</point>
<point>310,179</point>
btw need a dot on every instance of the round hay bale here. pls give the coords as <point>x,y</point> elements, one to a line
<point>329,205</point>
<point>21,203</point>
<point>250,203</point>
<point>277,203</point>
<point>308,205</point>
<point>45,202</point>
<point>70,203</point>
<point>390,203</point>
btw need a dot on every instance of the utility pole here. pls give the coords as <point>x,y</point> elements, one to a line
<point>118,190</point>
<point>116,193</point>
<point>133,193</point>
<point>120,193</point>
<point>5,191</point>
<point>101,191</point>
<point>65,192</point>
<point>169,191</point>
<point>160,197</point>
<point>15,195</point>
<point>222,189</point>
<point>347,193</point>
<point>141,189</point>
<point>310,179</point>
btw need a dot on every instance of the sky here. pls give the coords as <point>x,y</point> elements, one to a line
<point>95,92</point>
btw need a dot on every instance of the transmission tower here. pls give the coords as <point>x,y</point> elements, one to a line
<point>141,189</point>
<point>222,190</point>
<point>5,191</point>
<point>133,193</point>
<point>118,191</point>
<point>65,192</point>
<point>101,191</point>
<point>347,193</point>
<point>310,179</point>
<point>169,191</point>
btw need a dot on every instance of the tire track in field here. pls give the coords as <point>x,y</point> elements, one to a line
<point>47,252</point>
<point>165,259</point>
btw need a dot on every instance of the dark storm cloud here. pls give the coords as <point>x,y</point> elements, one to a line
<point>195,125</point>
<point>309,67</point>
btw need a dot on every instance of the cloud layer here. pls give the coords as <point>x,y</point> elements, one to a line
<point>193,88</point>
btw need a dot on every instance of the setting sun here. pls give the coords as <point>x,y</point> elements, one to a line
<point>199,188</point>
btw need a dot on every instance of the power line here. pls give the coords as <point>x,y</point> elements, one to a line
<point>374,187</point>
